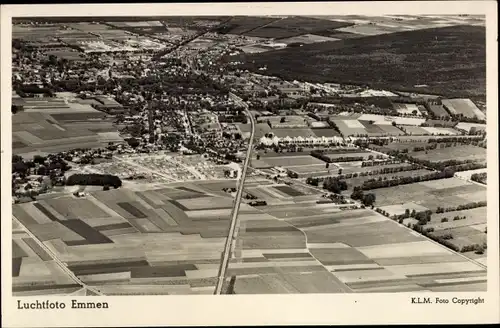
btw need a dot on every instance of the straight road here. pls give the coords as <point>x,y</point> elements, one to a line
<point>231,237</point>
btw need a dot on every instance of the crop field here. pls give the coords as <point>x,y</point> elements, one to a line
<point>431,194</point>
<point>440,69</point>
<point>350,127</point>
<point>169,238</point>
<point>40,131</point>
<point>463,107</point>
<point>460,152</point>
<point>369,253</point>
<point>34,271</point>
<point>439,110</point>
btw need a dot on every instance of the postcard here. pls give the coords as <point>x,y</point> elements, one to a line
<point>249,164</point>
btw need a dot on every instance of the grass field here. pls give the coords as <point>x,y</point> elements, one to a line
<point>463,107</point>
<point>460,152</point>
<point>431,194</point>
<point>286,161</point>
<point>447,60</point>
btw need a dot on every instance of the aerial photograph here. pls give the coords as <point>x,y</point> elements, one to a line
<point>183,155</point>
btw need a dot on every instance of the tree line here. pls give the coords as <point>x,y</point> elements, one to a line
<point>396,181</point>
<point>320,155</point>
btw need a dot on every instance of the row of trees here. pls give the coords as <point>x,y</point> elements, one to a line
<point>379,163</point>
<point>462,207</point>
<point>396,181</point>
<point>327,159</point>
<point>468,167</point>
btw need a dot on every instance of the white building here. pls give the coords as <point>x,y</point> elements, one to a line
<point>299,140</point>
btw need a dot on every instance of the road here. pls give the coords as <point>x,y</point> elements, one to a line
<point>231,237</point>
<point>56,259</point>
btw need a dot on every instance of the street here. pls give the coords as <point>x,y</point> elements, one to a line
<point>232,235</point>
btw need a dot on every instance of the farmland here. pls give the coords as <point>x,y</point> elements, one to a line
<point>463,107</point>
<point>172,235</point>
<point>364,61</point>
<point>52,126</point>
<point>462,152</point>
<point>431,194</point>
<point>34,271</point>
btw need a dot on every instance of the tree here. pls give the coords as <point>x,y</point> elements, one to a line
<point>327,165</point>
<point>258,156</point>
<point>407,213</point>
<point>479,249</point>
<point>340,171</point>
<point>357,194</point>
<point>282,120</point>
<point>133,142</point>
<point>369,199</point>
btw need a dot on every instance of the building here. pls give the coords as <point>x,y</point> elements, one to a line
<point>313,141</point>
<point>109,105</point>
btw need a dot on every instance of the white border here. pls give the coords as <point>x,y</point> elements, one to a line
<point>258,309</point>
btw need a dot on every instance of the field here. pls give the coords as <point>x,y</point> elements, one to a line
<point>53,126</point>
<point>294,26</point>
<point>460,152</point>
<point>242,24</point>
<point>468,231</point>
<point>168,239</point>
<point>286,161</point>
<point>325,133</point>
<point>431,194</point>
<point>408,109</point>
<point>307,38</point>
<point>364,126</point>
<point>344,254</point>
<point>463,107</point>
<point>439,111</point>
<point>293,132</point>
<point>34,271</point>
<point>448,61</point>
<point>358,181</point>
